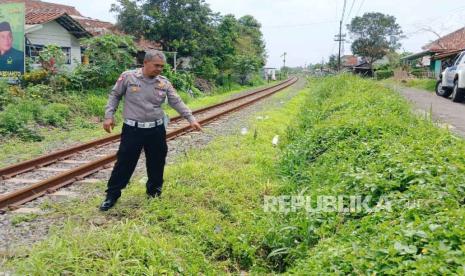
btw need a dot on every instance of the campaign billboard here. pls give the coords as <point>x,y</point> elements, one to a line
<point>12,17</point>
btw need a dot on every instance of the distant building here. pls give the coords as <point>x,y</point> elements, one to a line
<point>349,61</point>
<point>62,25</point>
<point>269,73</point>
<point>438,54</point>
<point>356,65</point>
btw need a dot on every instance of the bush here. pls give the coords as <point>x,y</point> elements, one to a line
<point>21,119</point>
<point>352,141</point>
<point>5,96</point>
<point>18,119</point>
<point>180,80</point>
<point>418,72</point>
<point>109,56</point>
<point>52,59</point>
<point>35,77</point>
<point>12,119</point>
<point>256,79</point>
<point>87,76</point>
<point>95,105</point>
<point>426,84</point>
<point>40,91</point>
<point>55,114</point>
<point>384,74</point>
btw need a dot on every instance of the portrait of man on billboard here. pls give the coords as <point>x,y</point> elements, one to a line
<point>11,59</point>
<point>11,41</point>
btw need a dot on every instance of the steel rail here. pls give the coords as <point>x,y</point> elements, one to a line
<point>14,199</point>
<point>38,162</point>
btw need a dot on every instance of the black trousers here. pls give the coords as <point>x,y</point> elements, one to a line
<point>133,140</point>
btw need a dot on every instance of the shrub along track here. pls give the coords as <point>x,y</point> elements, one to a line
<point>23,183</point>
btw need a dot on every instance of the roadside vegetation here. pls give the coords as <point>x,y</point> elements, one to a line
<point>341,136</point>
<point>421,83</point>
<point>425,84</point>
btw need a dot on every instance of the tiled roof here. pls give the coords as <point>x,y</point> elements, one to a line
<point>349,60</point>
<point>46,7</point>
<point>38,12</point>
<point>452,41</point>
<point>40,18</point>
<point>145,45</point>
<point>95,26</point>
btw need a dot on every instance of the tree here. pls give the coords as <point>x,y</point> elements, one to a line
<point>109,56</point>
<point>228,33</point>
<point>184,26</point>
<point>218,45</point>
<point>375,35</point>
<point>332,62</point>
<point>244,65</point>
<point>250,28</point>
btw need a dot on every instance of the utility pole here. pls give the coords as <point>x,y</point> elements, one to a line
<point>284,61</point>
<point>340,38</point>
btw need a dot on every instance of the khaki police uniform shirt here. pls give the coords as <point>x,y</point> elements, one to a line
<point>143,98</point>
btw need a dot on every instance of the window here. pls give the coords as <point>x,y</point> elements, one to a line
<point>67,51</point>
<point>33,51</point>
<point>458,61</point>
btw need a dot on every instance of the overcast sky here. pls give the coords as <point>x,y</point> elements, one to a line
<point>305,29</point>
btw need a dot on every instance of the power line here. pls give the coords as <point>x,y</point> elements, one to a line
<point>340,37</point>
<point>343,10</point>
<point>350,11</point>
<point>360,7</point>
<point>300,25</point>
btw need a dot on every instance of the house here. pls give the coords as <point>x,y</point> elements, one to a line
<point>349,61</point>
<point>66,34</point>
<point>63,25</point>
<point>438,54</point>
<point>269,73</point>
<point>357,65</point>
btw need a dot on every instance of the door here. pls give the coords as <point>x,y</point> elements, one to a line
<point>450,72</point>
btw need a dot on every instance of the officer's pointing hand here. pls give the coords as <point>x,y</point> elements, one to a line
<point>108,125</point>
<point>195,125</point>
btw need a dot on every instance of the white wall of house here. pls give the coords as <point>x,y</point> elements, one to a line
<point>54,33</point>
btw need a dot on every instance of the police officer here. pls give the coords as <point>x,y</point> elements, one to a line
<point>10,58</point>
<point>144,90</point>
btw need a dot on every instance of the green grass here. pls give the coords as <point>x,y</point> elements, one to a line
<point>209,219</point>
<point>84,125</point>
<point>341,136</point>
<point>357,138</point>
<point>424,84</point>
<point>18,219</point>
<point>214,98</point>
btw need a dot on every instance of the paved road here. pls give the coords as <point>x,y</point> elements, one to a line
<point>444,110</point>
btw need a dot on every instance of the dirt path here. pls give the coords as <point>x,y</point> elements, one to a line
<point>443,110</point>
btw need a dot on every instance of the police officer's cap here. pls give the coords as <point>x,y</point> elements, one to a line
<point>5,26</point>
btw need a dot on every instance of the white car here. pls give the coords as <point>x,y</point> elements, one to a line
<point>452,80</point>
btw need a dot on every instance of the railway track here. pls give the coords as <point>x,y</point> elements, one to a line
<point>28,180</point>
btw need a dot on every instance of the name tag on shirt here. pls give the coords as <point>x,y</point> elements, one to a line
<point>134,87</point>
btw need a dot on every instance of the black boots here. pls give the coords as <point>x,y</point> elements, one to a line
<point>107,204</point>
